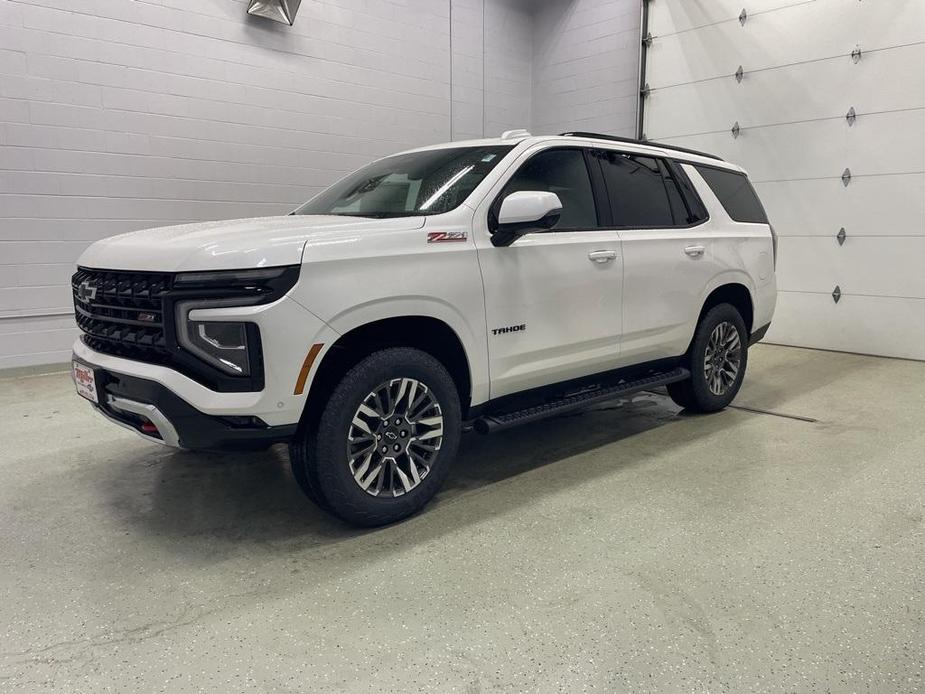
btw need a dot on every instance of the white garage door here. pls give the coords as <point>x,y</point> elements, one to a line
<point>785,119</point>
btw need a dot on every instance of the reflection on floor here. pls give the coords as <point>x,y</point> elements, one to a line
<point>632,547</point>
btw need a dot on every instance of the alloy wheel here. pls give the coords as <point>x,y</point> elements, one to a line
<point>394,437</point>
<point>722,358</point>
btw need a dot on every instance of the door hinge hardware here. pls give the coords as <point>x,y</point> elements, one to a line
<point>836,293</point>
<point>735,130</point>
<point>647,39</point>
<point>841,235</point>
<point>645,91</point>
<point>740,73</point>
<point>846,177</point>
<point>743,15</point>
<point>856,54</point>
<point>851,116</point>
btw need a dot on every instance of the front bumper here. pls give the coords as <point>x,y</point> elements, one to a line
<point>287,333</point>
<point>205,418</point>
<point>155,413</point>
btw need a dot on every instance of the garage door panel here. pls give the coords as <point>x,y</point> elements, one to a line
<point>821,208</point>
<point>824,89</point>
<point>822,148</point>
<point>670,18</point>
<point>884,266</point>
<point>793,138</point>
<point>889,22</point>
<point>797,34</point>
<point>892,327</point>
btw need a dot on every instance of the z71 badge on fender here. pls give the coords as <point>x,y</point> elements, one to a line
<point>442,236</point>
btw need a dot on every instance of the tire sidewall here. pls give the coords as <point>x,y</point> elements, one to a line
<point>336,483</point>
<point>701,391</point>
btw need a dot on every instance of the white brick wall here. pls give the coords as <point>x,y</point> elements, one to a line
<point>118,115</point>
<point>508,64</point>
<point>492,55</point>
<point>468,70</point>
<point>585,66</point>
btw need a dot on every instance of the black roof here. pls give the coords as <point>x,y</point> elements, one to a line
<point>629,140</point>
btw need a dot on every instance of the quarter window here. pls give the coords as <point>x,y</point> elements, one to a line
<point>563,172</point>
<point>735,193</point>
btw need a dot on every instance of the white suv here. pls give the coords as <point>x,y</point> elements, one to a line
<point>485,283</point>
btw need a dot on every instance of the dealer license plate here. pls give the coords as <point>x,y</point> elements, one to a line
<point>85,380</point>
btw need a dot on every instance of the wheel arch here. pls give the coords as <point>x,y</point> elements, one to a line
<point>735,293</point>
<point>427,333</point>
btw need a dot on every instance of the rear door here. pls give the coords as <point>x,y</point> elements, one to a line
<point>668,254</point>
<point>552,298</point>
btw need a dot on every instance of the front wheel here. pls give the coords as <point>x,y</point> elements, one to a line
<point>385,440</point>
<point>718,357</point>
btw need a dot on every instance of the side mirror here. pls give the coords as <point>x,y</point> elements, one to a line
<point>523,212</point>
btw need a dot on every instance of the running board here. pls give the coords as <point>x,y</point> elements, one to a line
<point>498,422</point>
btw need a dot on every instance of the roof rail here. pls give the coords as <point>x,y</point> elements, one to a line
<point>629,140</point>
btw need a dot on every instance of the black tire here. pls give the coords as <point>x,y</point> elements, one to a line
<point>695,394</point>
<point>319,458</point>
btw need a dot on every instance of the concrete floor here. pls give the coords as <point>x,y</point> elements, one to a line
<point>629,549</point>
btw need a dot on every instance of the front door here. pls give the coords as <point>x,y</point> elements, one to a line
<point>553,299</point>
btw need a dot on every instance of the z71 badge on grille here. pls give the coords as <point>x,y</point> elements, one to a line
<point>441,236</point>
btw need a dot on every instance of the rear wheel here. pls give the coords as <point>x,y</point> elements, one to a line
<point>718,357</point>
<point>385,440</point>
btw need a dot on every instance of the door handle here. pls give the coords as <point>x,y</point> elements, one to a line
<point>602,256</point>
<point>695,251</point>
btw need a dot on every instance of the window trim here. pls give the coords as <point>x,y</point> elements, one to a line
<point>673,168</point>
<point>602,211</point>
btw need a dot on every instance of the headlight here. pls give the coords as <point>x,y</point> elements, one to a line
<point>254,278</point>
<point>224,344</point>
<point>230,346</point>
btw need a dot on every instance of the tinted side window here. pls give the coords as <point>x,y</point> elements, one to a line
<point>694,211</point>
<point>563,172</point>
<point>736,194</point>
<point>636,186</point>
<point>675,197</point>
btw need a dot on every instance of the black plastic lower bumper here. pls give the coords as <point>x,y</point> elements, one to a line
<point>194,429</point>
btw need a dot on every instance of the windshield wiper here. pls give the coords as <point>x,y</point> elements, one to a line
<point>346,214</point>
<point>387,215</point>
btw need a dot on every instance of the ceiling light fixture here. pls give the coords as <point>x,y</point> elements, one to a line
<point>282,11</point>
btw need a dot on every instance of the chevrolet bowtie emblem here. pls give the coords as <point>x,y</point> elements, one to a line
<point>86,291</point>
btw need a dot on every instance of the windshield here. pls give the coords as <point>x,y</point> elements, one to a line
<point>419,183</point>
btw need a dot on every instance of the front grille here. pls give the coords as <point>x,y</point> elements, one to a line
<point>130,314</point>
<point>122,313</point>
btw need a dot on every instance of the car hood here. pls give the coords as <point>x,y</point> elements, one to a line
<point>231,244</point>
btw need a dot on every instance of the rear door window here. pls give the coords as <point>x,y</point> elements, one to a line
<point>636,187</point>
<point>691,210</point>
